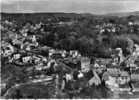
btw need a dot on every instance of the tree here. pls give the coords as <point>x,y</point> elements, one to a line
<point>86,45</point>
<point>125,43</point>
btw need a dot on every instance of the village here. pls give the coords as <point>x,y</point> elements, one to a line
<point>20,48</point>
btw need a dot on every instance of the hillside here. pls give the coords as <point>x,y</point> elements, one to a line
<point>124,14</point>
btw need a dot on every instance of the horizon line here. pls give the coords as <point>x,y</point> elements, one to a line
<point>68,12</point>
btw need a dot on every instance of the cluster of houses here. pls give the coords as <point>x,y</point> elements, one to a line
<point>20,50</point>
<point>116,28</point>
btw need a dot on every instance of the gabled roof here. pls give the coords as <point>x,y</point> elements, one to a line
<point>124,74</point>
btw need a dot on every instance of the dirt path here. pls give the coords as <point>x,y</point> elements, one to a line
<point>45,80</point>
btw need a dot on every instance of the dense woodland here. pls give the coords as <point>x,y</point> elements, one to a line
<point>83,33</point>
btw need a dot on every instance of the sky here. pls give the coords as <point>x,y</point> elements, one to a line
<point>68,6</point>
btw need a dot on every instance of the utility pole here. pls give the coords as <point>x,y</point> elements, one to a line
<point>57,85</point>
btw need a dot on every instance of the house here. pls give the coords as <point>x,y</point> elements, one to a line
<point>74,53</point>
<point>26,59</point>
<point>114,71</point>
<point>63,53</point>
<point>33,38</point>
<point>65,23</point>
<point>56,55</point>
<point>124,78</point>
<point>8,50</point>
<point>136,22</point>
<point>111,83</point>
<point>51,52</point>
<point>85,64</point>
<point>135,77</point>
<point>16,56</point>
<point>130,23</point>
